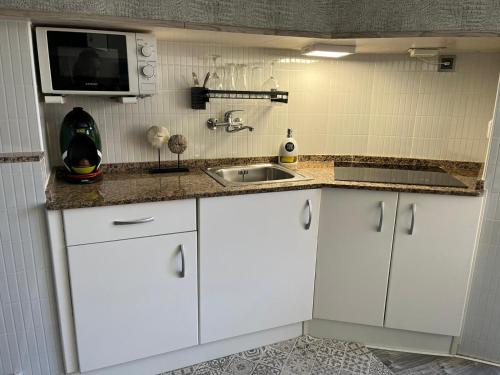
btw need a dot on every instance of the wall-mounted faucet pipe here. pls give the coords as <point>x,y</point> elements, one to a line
<point>231,124</point>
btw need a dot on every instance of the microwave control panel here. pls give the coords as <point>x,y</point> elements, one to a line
<point>147,63</point>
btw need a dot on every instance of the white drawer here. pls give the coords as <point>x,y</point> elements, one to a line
<point>99,224</point>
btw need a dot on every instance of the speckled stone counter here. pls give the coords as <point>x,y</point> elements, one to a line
<point>20,157</point>
<point>131,183</point>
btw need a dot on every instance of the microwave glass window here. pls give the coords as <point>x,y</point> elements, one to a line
<point>88,61</point>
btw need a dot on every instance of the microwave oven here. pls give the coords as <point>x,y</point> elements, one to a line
<point>96,62</point>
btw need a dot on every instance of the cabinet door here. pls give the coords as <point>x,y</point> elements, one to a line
<point>431,263</point>
<point>257,261</point>
<point>354,255</point>
<point>130,300</point>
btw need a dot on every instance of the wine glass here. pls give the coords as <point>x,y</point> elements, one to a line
<point>229,76</point>
<point>271,84</point>
<point>255,76</point>
<point>241,80</point>
<point>215,81</point>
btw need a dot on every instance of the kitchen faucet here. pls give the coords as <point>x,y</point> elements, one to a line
<point>232,124</point>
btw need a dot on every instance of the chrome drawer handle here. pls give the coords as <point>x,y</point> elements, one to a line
<point>381,219</point>
<point>413,218</point>
<point>309,207</point>
<point>135,221</point>
<point>182,272</point>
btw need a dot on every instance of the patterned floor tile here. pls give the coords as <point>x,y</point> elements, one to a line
<point>262,369</point>
<point>357,349</point>
<point>317,370</point>
<point>190,370</point>
<point>356,364</point>
<point>308,355</point>
<point>298,365</point>
<point>284,346</point>
<point>334,343</point>
<point>329,361</point>
<point>206,370</point>
<point>305,350</point>
<point>310,340</point>
<point>378,368</point>
<point>331,352</point>
<point>240,366</point>
<point>219,363</point>
<point>253,354</point>
<point>347,372</point>
<point>305,355</point>
<point>274,358</point>
<point>326,365</point>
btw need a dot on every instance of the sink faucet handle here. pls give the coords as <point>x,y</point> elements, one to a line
<point>229,114</point>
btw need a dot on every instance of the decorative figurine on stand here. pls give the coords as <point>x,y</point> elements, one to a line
<point>157,136</point>
<point>178,144</point>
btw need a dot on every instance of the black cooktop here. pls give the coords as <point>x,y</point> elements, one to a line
<point>403,174</point>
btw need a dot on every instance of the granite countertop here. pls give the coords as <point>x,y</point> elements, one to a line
<point>131,183</point>
<point>20,157</point>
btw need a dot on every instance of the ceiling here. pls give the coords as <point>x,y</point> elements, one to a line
<point>363,45</point>
<point>449,44</point>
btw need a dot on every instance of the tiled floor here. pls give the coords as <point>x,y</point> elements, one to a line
<point>419,364</point>
<point>305,355</point>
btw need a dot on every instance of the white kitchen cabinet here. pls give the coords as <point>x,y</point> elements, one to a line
<point>434,244</point>
<point>134,298</point>
<point>354,255</point>
<point>257,261</point>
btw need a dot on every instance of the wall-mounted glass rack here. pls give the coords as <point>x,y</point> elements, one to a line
<point>200,96</point>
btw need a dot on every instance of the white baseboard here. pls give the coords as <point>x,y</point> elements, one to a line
<point>382,338</point>
<point>201,353</point>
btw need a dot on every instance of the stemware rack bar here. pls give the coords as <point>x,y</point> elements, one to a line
<point>200,96</point>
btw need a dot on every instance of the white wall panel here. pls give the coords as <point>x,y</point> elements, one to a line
<point>29,339</point>
<point>481,333</point>
<point>19,110</point>
<point>386,105</point>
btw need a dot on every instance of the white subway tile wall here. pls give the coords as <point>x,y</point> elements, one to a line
<point>19,125</point>
<point>29,339</point>
<point>481,333</point>
<point>388,105</point>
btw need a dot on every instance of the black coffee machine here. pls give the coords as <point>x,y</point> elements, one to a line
<point>80,144</point>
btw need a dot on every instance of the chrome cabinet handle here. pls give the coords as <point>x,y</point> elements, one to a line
<point>135,221</point>
<point>381,219</point>
<point>182,272</point>
<point>309,208</point>
<point>413,217</point>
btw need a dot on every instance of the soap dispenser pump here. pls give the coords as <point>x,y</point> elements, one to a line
<point>288,154</point>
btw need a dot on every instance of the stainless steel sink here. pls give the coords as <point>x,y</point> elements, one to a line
<point>254,174</point>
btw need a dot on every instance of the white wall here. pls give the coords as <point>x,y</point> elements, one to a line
<point>481,334</point>
<point>29,338</point>
<point>388,105</point>
<point>19,125</point>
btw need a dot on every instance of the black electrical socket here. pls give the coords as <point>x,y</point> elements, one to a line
<point>446,63</point>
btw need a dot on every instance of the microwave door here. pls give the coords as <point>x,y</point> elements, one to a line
<point>88,62</point>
